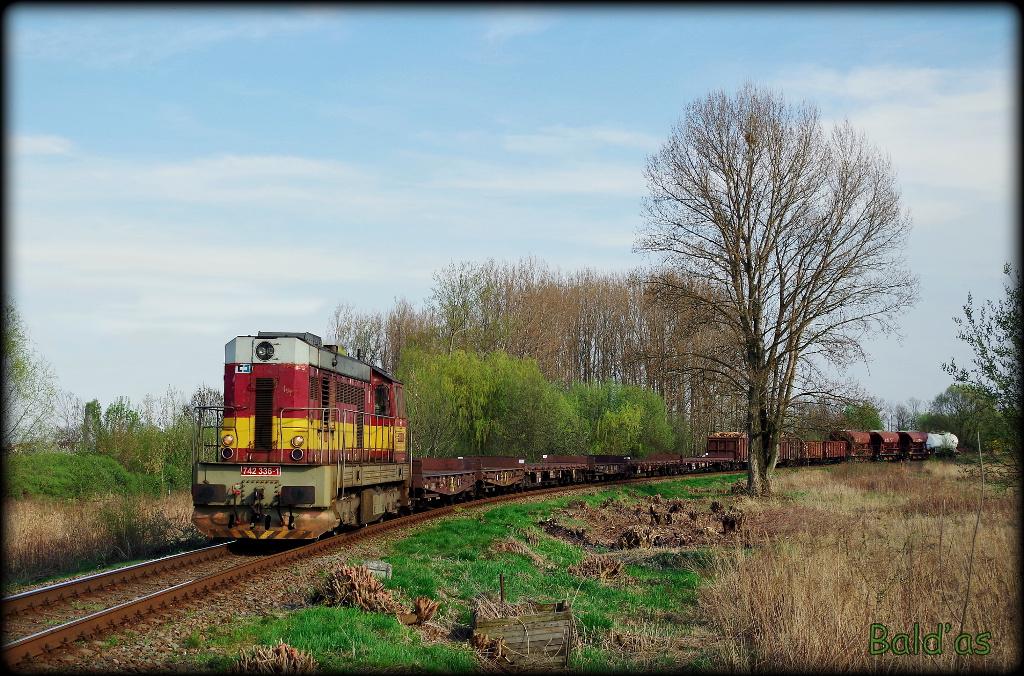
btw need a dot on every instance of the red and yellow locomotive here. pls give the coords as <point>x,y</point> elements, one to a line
<point>308,440</point>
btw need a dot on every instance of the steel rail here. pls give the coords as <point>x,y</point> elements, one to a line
<point>45,596</point>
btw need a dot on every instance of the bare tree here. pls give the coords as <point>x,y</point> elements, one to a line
<point>790,237</point>
<point>403,325</point>
<point>29,387</point>
<point>353,331</point>
<point>906,415</point>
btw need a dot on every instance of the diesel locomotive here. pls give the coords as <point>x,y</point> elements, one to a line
<point>307,440</point>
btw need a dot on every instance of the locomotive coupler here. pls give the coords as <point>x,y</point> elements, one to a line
<point>257,506</point>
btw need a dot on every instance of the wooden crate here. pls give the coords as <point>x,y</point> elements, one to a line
<point>538,640</point>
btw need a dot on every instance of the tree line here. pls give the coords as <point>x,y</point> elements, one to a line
<point>579,329</point>
<point>504,358</point>
<point>583,334</point>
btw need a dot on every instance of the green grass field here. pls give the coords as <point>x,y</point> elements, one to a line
<point>452,562</point>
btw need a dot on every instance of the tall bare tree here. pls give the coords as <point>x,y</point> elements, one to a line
<point>790,238</point>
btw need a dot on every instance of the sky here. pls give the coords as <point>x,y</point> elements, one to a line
<point>176,176</point>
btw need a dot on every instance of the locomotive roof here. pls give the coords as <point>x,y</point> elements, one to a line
<point>311,338</point>
<point>357,368</point>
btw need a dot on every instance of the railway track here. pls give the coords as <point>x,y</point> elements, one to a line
<point>55,617</point>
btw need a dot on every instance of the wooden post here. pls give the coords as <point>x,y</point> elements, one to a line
<point>501,583</point>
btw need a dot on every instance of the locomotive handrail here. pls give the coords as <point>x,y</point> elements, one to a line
<point>328,420</point>
<point>198,442</point>
<point>380,433</point>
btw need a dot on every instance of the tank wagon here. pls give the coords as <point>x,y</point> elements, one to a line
<point>943,443</point>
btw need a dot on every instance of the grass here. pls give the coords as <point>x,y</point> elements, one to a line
<point>345,638</point>
<point>627,625</point>
<point>46,539</point>
<point>839,553</point>
<point>870,545</point>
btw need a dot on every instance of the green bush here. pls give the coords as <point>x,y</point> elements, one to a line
<point>465,404</point>
<point>63,475</point>
<point>622,419</point>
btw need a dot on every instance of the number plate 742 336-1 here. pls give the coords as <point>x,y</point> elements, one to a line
<point>260,470</point>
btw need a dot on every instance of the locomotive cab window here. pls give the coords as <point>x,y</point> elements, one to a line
<point>382,400</point>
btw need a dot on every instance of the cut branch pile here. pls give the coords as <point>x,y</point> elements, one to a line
<point>488,648</point>
<point>732,520</point>
<point>638,537</point>
<point>356,586</point>
<point>575,535</point>
<point>423,610</point>
<point>513,546</point>
<point>281,659</point>
<point>604,568</point>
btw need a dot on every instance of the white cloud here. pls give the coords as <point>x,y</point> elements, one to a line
<point>47,144</point>
<point>504,26</point>
<point>100,37</point>
<point>596,177</point>
<point>944,128</point>
<point>152,275</point>
<point>273,182</point>
<point>562,140</point>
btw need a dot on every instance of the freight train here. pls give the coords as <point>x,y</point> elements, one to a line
<point>842,446</point>
<point>310,441</point>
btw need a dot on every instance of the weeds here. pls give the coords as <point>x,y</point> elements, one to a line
<point>881,547</point>
<point>44,538</point>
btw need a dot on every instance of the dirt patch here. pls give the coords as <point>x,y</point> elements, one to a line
<point>650,522</point>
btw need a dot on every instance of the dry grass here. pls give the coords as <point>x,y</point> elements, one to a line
<point>513,546</point>
<point>863,545</point>
<point>52,538</point>
<point>486,608</point>
<point>646,645</point>
<point>281,659</point>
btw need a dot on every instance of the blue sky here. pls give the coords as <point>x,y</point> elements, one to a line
<point>179,176</point>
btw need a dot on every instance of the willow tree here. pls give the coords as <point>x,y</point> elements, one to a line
<point>789,236</point>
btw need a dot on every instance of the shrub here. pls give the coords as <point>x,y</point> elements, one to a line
<point>63,475</point>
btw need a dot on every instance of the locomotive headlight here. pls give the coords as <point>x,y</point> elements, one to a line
<point>297,441</point>
<point>265,351</point>
<point>227,439</point>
